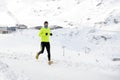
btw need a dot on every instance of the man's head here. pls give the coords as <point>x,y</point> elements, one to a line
<point>46,24</point>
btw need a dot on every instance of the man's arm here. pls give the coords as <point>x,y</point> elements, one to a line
<point>40,32</point>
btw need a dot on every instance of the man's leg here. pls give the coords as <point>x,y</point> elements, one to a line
<point>42,50</point>
<point>48,51</point>
<point>49,55</point>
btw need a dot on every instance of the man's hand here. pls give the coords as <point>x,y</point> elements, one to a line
<point>51,34</point>
<point>46,34</point>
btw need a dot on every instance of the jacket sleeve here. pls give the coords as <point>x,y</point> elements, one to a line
<point>40,33</point>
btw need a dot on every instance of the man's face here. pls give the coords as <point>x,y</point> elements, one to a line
<point>46,25</point>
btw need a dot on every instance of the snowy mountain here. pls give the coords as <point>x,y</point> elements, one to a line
<point>62,12</point>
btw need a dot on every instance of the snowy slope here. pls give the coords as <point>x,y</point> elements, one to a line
<point>87,13</point>
<point>32,12</point>
<point>7,74</point>
<point>60,12</point>
<point>90,59</point>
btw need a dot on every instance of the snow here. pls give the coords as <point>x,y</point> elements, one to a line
<point>7,74</point>
<point>61,12</point>
<point>84,49</point>
<point>88,60</point>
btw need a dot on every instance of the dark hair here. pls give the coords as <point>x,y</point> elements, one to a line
<point>45,22</point>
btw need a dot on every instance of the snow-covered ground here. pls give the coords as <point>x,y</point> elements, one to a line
<point>77,54</point>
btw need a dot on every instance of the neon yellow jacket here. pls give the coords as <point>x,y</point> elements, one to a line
<point>43,36</point>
